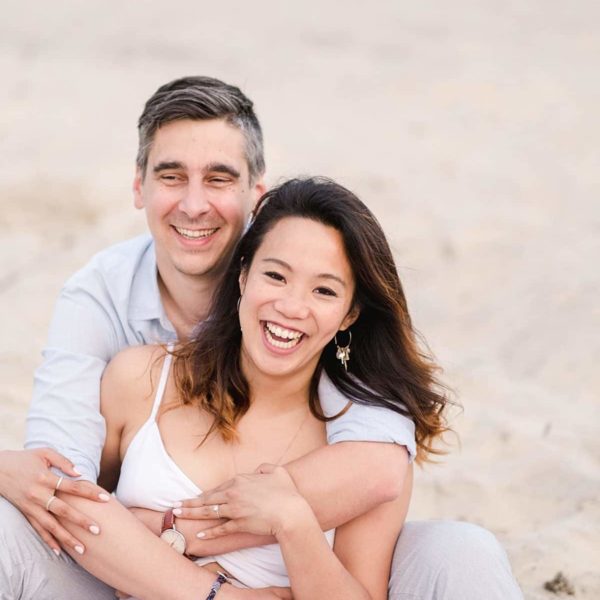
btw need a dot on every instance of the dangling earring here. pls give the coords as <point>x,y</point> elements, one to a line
<point>343,352</point>
<point>238,303</point>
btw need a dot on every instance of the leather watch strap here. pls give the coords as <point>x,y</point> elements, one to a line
<point>168,520</point>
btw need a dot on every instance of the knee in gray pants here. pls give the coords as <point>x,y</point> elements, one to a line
<point>30,570</point>
<point>450,560</point>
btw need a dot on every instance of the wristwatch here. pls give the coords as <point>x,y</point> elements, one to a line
<point>169,533</point>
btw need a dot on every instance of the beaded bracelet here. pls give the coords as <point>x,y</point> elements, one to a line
<point>216,586</point>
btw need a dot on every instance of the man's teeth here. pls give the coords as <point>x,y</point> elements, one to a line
<point>195,234</point>
<point>281,332</point>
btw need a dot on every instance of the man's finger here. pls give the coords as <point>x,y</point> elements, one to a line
<point>54,459</point>
<point>45,535</point>
<point>220,530</point>
<point>68,513</point>
<point>84,489</point>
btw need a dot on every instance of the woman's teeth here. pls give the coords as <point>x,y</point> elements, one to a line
<point>195,234</point>
<point>292,337</point>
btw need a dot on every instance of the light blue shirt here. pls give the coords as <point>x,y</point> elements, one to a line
<point>113,303</point>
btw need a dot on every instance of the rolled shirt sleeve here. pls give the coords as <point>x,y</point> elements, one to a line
<point>364,423</point>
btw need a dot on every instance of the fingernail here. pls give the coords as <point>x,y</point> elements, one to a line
<point>56,551</point>
<point>104,497</point>
<point>177,504</point>
<point>177,511</point>
<point>94,529</point>
<point>79,549</point>
<point>76,472</point>
<point>200,534</point>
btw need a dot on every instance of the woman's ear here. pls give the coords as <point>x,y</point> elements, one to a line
<point>242,280</point>
<point>350,318</point>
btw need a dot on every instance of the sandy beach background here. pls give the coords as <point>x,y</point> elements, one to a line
<point>471,129</point>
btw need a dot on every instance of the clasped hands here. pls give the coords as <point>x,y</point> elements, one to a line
<point>265,502</point>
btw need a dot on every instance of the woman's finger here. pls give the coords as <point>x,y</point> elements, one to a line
<point>202,512</point>
<point>64,511</point>
<point>57,460</point>
<point>221,530</point>
<point>48,523</point>
<point>47,538</point>
<point>81,488</point>
<point>265,468</point>
<point>206,499</point>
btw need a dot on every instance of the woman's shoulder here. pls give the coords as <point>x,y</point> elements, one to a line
<point>132,373</point>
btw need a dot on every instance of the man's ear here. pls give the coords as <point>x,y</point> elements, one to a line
<point>259,188</point>
<point>138,200</point>
<point>350,318</point>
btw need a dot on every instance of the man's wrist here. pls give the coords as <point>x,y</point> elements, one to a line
<point>295,515</point>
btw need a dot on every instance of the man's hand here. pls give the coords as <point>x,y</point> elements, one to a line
<point>27,482</point>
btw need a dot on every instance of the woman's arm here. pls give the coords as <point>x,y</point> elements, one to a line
<point>327,478</point>
<point>130,558</point>
<point>269,503</point>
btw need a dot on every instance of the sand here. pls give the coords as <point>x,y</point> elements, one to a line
<point>470,128</point>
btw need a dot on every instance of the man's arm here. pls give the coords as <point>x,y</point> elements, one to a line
<point>64,416</point>
<point>339,482</point>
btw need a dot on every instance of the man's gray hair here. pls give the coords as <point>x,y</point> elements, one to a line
<point>201,98</point>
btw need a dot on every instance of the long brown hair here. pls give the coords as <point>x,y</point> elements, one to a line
<point>387,368</point>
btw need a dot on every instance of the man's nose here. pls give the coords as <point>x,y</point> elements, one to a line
<point>195,201</point>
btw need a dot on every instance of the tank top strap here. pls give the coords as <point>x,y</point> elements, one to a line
<point>162,382</point>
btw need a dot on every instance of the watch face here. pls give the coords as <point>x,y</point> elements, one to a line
<point>174,539</point>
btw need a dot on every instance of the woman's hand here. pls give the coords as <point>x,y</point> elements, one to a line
<point>262,503</point>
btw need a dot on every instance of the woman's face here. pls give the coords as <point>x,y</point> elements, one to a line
<point>296,295</point>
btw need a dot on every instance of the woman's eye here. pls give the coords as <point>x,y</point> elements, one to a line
<point>325,291</point>
<point>274,275</point>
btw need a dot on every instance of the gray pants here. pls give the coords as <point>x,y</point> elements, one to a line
<point>434,560</point>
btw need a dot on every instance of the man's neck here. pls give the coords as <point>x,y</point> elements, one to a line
<point>185,298</point>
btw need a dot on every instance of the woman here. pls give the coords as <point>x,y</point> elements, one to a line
<point>311,294</point>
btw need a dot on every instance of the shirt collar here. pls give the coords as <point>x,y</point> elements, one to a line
<point>145,303</point>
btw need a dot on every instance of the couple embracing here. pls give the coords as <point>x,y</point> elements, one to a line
<point>253,400</point>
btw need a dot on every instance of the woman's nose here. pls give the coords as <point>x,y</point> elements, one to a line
<point>292,306</point>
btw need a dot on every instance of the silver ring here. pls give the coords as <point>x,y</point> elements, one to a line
<point>60,480</point>
<point>53,497</point>
<point>215,508</point>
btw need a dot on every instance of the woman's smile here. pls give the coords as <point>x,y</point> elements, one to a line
<point>282,338</point>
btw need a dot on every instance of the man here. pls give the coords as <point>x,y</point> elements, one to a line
<point>200,170</point>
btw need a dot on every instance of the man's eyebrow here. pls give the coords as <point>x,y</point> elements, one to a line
<point>282,263</point>
<point>222,168</point>
<point>166,165</point>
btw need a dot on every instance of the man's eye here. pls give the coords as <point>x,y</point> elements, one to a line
<point>325,291</point>
<point>170,178</point>
<point>274,275</point>
<point>219,181</point>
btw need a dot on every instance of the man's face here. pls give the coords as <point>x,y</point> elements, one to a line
<point>197,195</point>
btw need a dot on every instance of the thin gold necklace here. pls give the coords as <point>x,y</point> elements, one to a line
<point>285,451</point>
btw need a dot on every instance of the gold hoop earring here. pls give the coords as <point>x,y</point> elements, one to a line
<point>343,352</point>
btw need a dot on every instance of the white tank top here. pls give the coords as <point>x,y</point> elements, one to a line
<point>150,478</point>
